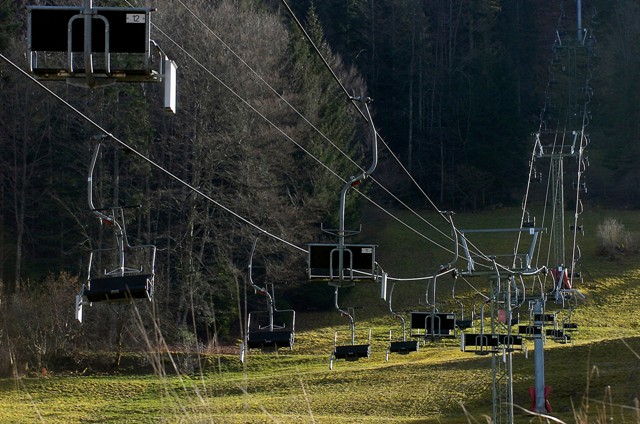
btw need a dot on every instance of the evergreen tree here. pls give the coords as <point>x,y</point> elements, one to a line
<point>322,101</point>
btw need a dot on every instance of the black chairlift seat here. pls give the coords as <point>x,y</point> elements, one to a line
<point>529,330</point>
<point>270,340</point>
<point>510,342</point>
<point>352,352</point>
<point>558,335</point>
<point>444,324</point>
<point>114,288</point>
<point>404,347</point>
<point>482,344</point>
<point>549,318</point>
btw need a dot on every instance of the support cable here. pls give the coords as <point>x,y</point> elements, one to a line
<point>333,144</point>
<point>148,160</point>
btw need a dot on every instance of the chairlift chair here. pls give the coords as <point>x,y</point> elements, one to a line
<point>433,324</point>
<point>272,329</point>
<point>97,46</point>
<point>529,331</point>
<point>528,222</point>
<point>120,273</point>
<point>352,351</point>
<point>558,335</point>
<point>342,264</point>
<point>484,343</point>
<point>537,321</point>
<point>358,263</point>
<point>462,324</point>
<point>563,331</point>
<point>536,177</point>
<point>402,346</point>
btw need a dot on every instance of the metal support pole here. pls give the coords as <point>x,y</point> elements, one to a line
<point>579,20</point>
<point>88,54</point>
<point>557,191</point>
<point>434,309</point>
<point>509,354</point>
<point>538,344</point>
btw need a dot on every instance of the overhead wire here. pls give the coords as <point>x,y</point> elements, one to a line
<point>316,129</point>
<point>287,136</point>
<point>145,158</point>
<point>333,144</point>
<point>199,63</point>
<point>405,170</point>
<point>266,119</point>
<point>561,143</point>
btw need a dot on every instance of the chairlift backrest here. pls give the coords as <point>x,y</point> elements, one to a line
<point>117,47</point>
<point>358,261</point>
<point>114,30</point>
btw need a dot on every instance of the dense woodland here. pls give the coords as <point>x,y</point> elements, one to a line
<point>457,88</point>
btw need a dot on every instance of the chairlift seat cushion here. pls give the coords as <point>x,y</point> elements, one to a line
<point>270,339</point>
<point>352,352</point>
<point>137,286</point>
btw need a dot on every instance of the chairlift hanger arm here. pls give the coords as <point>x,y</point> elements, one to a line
<point>393,286</point>
<point>343,311</point>
<point>357,180</point>
<point>257,288</point>
<point>353,182</point>
<point>102,217</point>
<point>449,216</point>
<point>374,139</point>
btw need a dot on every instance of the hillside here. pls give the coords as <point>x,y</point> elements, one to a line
<point>594,379</point>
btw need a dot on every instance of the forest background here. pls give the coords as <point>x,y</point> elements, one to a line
<point>457,85</point>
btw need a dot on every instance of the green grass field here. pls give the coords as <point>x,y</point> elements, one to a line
<point>594,380</point>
